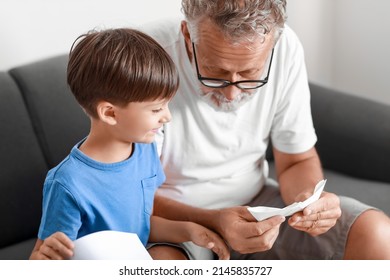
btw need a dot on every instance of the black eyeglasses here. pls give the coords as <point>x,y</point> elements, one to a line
<point>221,83</point>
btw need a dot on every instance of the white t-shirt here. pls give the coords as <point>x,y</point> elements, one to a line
<point>215,159</point>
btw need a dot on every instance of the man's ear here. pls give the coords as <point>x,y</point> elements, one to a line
<point>106,112</point>
<point>187,37</point>
<point>185,31</point>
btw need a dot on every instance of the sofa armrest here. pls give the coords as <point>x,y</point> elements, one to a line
<point>353,133</point>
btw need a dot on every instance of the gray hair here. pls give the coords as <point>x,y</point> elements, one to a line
<point>238,20</point>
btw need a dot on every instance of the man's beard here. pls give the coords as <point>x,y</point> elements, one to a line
<point>219,102</point>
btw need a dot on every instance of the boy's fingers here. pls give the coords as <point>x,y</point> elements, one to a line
<point>64,239</point>
<point>218,246</point>
<point>58,246</point>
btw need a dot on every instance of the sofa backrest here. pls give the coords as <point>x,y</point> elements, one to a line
<point>40,123</point>
<point>353,133</point>
<point>58,119</point>
<point>23,168</point>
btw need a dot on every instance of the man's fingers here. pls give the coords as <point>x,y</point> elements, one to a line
<point>310,224</point>
<point>328,201</point>
<point>259,228</point>
<point>258,236</point>
<point>259,243</point>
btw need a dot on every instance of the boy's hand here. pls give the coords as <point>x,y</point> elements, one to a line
<point>57,246</point>
<point>206,238</point>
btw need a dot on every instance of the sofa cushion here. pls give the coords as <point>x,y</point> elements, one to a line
<point>370,192</point>
<point>24,169</point>
<point>353,134</point>
<point>373,193</point>
<point>19,251</point>
<point>59,121</point>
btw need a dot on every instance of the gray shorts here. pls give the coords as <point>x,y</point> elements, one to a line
<point>298,245</point>
<point>291,243</point>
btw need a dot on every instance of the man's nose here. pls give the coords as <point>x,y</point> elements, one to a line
<point>231,92</point>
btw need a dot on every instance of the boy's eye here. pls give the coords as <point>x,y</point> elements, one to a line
<point>157,110</point>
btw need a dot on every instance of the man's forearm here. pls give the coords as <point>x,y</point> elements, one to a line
<point>299,177</point>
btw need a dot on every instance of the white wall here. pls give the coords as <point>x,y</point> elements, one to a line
<point>310,20</point>
<point>347,42</point>
<point>34,29</point>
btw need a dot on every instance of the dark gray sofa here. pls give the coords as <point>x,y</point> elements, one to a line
<point>40,123</point>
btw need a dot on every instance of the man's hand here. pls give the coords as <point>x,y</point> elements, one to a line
<point>318,217</point>
<point>244,233</point>
<point>57,246</point>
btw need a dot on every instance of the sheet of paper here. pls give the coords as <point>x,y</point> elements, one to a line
<point>110,245</point>
<point>263,212</point>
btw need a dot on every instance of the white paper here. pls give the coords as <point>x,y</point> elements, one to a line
<point>110,245</point>
<point>263,212</point>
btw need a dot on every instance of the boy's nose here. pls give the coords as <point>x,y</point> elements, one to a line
<point>166,117</point>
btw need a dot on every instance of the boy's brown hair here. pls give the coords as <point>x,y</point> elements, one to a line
<point>119,66</point>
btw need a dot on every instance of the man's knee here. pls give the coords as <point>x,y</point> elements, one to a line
<point>368,237</point>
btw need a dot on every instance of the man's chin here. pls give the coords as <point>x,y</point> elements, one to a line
<point>224,106</point>
<point>221,104</point>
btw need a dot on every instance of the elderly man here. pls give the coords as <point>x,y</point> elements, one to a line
<point>243,83</point>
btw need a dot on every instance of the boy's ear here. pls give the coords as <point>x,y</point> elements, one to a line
<point>106,112</point>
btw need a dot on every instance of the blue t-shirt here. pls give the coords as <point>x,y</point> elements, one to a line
<point>82,196</point>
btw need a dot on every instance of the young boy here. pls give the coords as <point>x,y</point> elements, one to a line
<point>123,80</point>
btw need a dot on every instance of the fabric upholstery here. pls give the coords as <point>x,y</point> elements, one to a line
<point>23,168</point>
<point>353,133</point>
<point>59,120</point>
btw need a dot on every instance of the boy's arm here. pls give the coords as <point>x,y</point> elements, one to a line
<point>58,246</point>
<point>235,225</point>
<point>163,230</point>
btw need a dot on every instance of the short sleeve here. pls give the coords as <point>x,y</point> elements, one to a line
<point>292,128</point>
<point>60,212</point>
